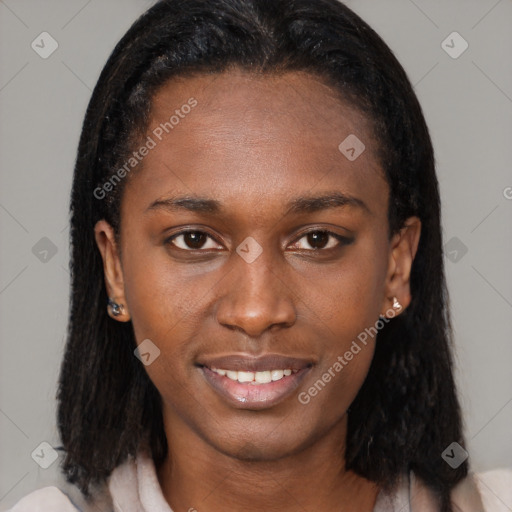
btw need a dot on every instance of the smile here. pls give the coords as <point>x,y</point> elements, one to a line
<point>255,383</point>
<point>257,378</point>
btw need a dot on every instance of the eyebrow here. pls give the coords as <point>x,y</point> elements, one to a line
<point>298,205</point>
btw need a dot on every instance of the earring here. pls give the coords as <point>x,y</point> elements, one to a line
<point>396,305</point>
<point>115,307</point>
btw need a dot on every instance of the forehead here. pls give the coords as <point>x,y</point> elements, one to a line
<point>285,108</point>
<point>250,135</point>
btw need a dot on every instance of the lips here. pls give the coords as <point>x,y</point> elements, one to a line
<point>244,363</point>
<point>255,393</point>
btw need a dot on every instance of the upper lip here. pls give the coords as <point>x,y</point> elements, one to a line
<point>244,362</point>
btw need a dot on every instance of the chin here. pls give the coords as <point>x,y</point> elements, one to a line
<point>258,446</point>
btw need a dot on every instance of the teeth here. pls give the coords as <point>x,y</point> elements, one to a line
<point>245,376</point>
<point>262,377</point>
<point>255,377</point>
<point>277,374</point>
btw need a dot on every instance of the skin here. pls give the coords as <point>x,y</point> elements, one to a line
<point>254,143</point>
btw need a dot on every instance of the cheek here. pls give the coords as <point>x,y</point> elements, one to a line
<point>161,298</point>
<point>164,309</point>
<point>338,377</point>
<point>348,303</point>
<point>167,304</point>
<point>347,296</point>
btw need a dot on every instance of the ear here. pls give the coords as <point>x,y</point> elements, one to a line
<point>114,282</point>
<point>403,247</point>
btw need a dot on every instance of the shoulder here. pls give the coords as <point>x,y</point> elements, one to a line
<point>46,499</point>
<point>496,489</point>
<point>490,491</point>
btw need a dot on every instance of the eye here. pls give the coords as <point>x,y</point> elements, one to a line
<point>192,241</point>
<point>321,239</point>
<point>195,240</point>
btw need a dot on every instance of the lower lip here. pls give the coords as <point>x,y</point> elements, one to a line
<point>254,396</point>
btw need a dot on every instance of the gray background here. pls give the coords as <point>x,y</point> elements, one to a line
<point>468,105</point>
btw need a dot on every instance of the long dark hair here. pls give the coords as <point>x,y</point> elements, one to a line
<point>407,411</point>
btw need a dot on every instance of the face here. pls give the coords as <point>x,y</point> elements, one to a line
<point>254,254</point>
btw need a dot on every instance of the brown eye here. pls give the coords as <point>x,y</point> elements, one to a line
<point>317,240</point>
<point>192,240</point>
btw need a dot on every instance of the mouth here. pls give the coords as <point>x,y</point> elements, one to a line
<point>254,383</point>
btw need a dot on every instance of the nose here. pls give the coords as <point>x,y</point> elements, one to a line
<point>255,299</point>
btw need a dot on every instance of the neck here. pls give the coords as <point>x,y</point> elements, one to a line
<point>198,476</point>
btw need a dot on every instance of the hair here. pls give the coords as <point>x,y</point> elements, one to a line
<point>407,411</point>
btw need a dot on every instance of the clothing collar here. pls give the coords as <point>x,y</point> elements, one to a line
<point>134,487</point>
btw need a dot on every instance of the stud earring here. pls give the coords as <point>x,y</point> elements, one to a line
<point>115,307</point>
<point>396,304</point>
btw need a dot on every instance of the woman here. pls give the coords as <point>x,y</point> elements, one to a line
<point>259,317</point>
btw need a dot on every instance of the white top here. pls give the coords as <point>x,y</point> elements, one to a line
<point>134,487</point>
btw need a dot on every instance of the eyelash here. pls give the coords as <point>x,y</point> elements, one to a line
<point>341,239</point>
